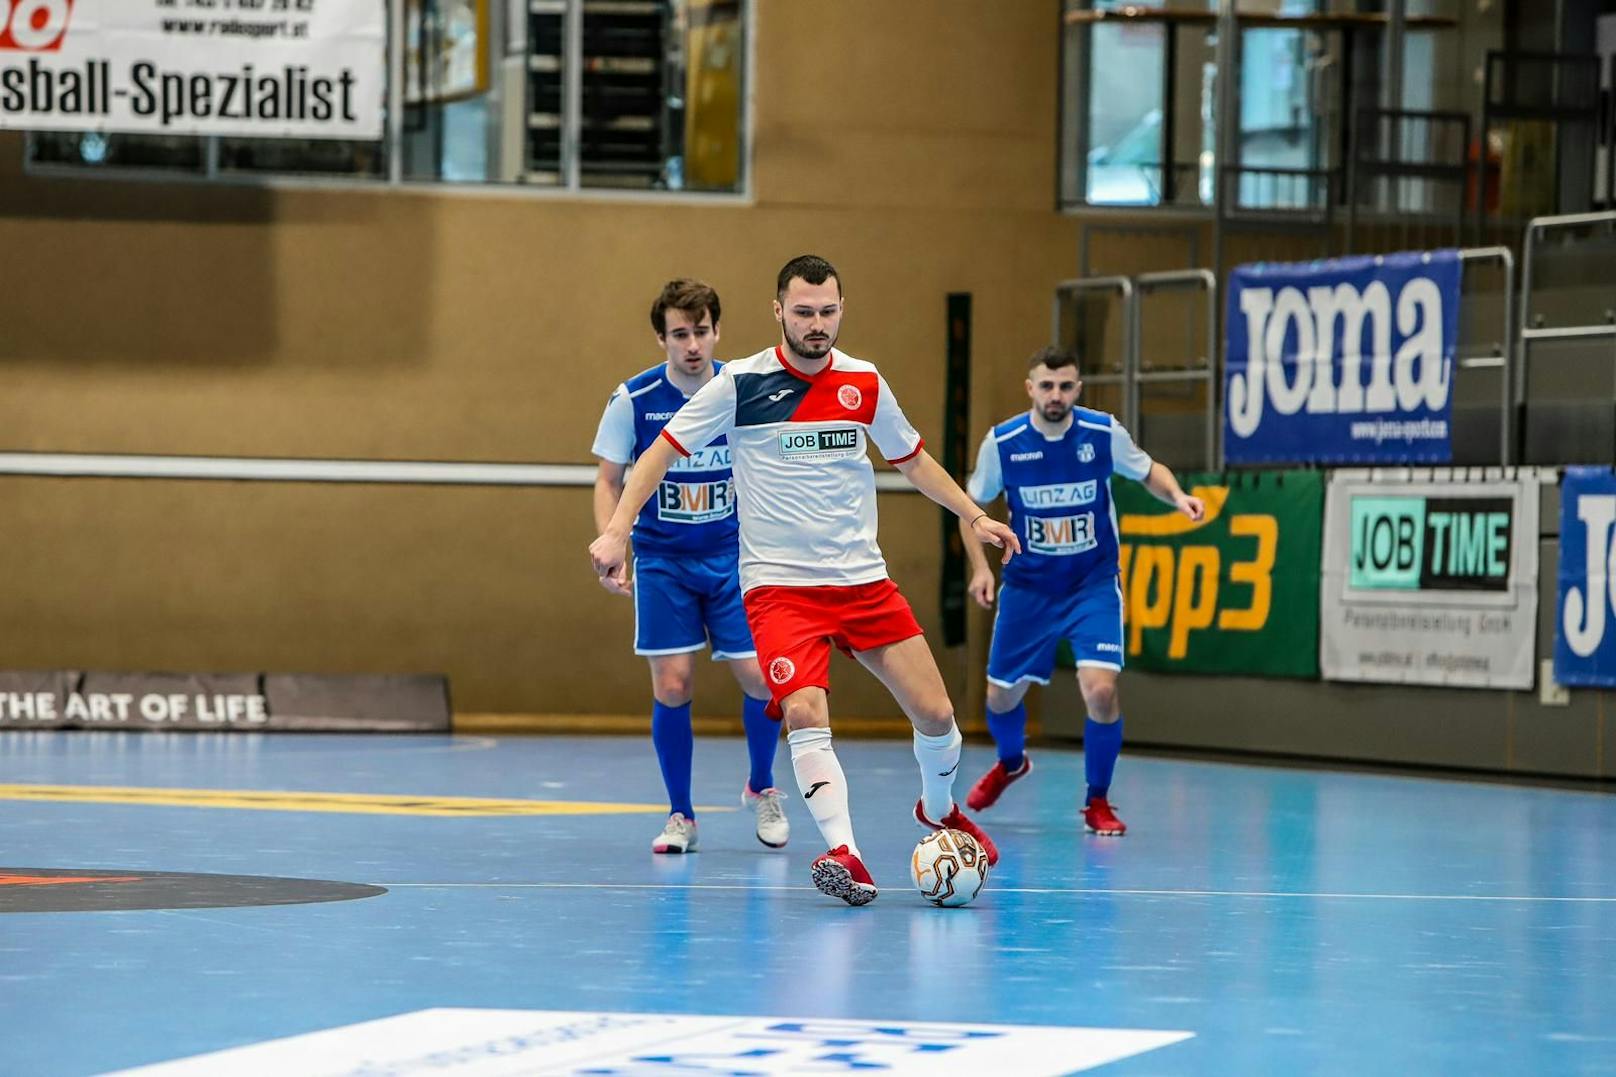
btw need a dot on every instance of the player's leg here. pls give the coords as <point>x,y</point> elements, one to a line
<point>910,673</point>
<point>791,632</point>
<point>668,632</point>
<point>1097,640</point>
<point>1022,653</point>
<point>725,617</point>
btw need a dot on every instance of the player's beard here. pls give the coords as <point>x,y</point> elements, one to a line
<point>805,349</point>
<point>1055,411</point>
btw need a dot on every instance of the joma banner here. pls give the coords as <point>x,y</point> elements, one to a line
<point>1430,582</point>
<point>1342,361</point>
<point>253,68</point>
<point>1585,617</point>
<point>1237,592</point>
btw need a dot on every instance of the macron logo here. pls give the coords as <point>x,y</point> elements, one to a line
<point>1018,457</point>
<point>781,395</point>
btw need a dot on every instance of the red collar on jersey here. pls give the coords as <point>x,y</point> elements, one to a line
<point>780,354</point>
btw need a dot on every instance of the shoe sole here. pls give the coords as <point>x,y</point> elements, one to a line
<point>670,850</point>
<point>1105,833</point>
<point>771,844</point>
<point>834,879</point>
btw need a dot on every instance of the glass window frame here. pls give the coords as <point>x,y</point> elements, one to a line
<point>392,178</point>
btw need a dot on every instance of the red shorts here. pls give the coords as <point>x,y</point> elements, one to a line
<point>793,629</point>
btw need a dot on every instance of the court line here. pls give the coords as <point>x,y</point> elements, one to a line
<point>1021,890</point>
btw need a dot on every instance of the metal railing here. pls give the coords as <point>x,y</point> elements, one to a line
<point>1123,288</point>
<point>1202,368</point>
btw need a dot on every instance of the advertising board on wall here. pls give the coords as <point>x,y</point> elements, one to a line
<point>1585,613</point>
<point>1430,582</point>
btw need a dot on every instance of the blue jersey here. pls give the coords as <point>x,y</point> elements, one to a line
<point>1059,493</point>
<point>693,511</point>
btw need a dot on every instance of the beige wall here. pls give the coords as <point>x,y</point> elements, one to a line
<point>917,152</point>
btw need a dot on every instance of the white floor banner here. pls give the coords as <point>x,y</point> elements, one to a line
<point>1430,582</point>
<point>492,1043</point>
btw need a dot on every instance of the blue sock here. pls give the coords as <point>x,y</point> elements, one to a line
<point>762,737</point>
<point>1101,745</point>
<point>1009,731</point>
<point>675,744</point>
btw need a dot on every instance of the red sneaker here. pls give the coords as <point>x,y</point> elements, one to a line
<point>985,793</point>
<point>957,820</point>
<point>842,875</point>
<point>1098,818</point>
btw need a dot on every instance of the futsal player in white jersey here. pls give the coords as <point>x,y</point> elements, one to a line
<point>1053,464</point>
<point>798,417</point>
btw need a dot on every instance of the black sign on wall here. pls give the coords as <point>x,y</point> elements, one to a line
<point>956,458</point>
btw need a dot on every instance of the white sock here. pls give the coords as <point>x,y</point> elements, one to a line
<point>938,758</point>
<point>823,786</point>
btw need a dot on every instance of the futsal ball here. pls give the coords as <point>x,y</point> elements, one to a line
<point>949,867</point>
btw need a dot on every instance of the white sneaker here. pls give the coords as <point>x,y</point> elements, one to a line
<point>679,836</point>
<point>773,829</point>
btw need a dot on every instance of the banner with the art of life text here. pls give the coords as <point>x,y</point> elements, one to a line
<point>1585,614</point>
<point>1348,360</point>
<point>1431,581</point>
<point>1233,593</point>
<point>247,68</point>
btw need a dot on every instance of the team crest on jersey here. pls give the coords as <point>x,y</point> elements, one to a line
<point>782,670</point>
<point>849,397</point>
<point>1085,453</point>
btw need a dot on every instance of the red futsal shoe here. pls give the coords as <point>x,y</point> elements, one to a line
<point>957,820</point>
<point>1098,818</point>
<point>842,875</point>
<point>990,786</point>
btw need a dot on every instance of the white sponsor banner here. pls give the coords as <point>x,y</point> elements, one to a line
<point>252,68</point>
<point>491,1043</point>
<point>1430,580</point>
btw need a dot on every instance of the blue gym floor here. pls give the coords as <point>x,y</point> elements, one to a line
<point>1292,921</point>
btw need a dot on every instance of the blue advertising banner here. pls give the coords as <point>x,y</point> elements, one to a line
<point>1584,632</point>
<point>1348,360</point>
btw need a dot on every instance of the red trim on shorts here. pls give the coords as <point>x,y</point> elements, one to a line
<point>675,442</point>
<point>910,455</point>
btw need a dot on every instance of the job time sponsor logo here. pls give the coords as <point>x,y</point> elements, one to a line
<point>695,502</point>
<point>1413,376</point>
<point>1059,495</point>
<point>831,444</point>
<point>1061,536</point>
<point>1431,544</point>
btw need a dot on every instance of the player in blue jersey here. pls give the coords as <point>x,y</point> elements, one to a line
<point>686,590</point>
<point>1054,464</point>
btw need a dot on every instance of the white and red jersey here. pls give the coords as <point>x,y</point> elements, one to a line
<point>805,488</point>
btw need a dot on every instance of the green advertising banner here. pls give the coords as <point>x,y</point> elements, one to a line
<point>1236,593</point>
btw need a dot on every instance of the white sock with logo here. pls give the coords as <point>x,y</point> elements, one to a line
<point>938,758</point>
<point>823,786</point>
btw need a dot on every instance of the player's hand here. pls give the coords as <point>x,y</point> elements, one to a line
<point>609,555</point>
<point>981,588</point>
<point>619,586</point>
<point>993,533</point>
<point>1192,507</point>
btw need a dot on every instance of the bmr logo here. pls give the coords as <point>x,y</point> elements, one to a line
<point>1431,544</point>
<point>1415,375</point>
<point>34,25</point>
<point>694,502</point>
<point>1583,619</point>
<point>1061,536</point>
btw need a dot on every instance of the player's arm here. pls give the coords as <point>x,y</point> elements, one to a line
<point>984,486</point>
<point>609,478</point>
<point>1130,460</point>
<point>614,448</point>
<point>929,477</point>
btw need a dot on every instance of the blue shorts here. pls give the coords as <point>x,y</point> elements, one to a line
<point>682,602</point>
<point>1030,625</point>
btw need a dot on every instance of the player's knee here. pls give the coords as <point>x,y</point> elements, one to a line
<point>934,717</point>
<point>672,688</point>
<point>1000,699</point>
<point>1101,700</point>
<point>804,710</point>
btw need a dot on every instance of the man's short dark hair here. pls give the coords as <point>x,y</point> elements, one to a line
<point>690,297</point>
<point>809,267</point>
<point>1053,358</point>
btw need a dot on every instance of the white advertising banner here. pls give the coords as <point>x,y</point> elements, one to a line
<point>248,68</point>
<point>1430,581</point>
